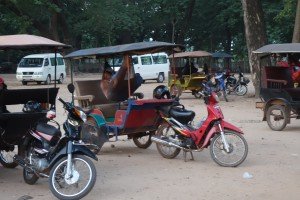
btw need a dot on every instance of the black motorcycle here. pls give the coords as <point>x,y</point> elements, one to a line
<point>237,86</point>
<point>62,159</point>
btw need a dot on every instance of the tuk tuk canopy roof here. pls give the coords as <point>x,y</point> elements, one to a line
<point>279,48</point>
<point>221,55</point>
<point>191,54</point>
<point>24,41</point>
<point>132,48</point>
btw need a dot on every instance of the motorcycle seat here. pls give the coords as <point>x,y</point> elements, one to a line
<point>182,115</point>
<point>47,129</point>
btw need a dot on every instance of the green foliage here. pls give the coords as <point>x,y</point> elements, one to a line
<point>216,25</point>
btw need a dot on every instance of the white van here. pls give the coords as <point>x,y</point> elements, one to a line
<point>40,68</point>
<point>149,66</point>
<point>152,66</point>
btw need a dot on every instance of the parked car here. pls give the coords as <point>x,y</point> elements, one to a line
<point>41,68</point>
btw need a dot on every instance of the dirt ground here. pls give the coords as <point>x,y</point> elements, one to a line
<point>127,172</point>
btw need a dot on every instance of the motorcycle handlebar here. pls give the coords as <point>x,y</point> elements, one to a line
<point>64,103</point>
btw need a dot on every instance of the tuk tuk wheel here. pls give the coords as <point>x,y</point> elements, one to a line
<point>142,142</point>
<point>176,90</point>
<point>277,117</point>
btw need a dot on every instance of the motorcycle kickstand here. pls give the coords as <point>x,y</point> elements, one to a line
<point>184,155</point>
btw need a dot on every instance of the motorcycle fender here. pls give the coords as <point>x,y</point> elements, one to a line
<point>215,129</point>
<point>210,134</point>
<point>229,126</point>
<point>76,149</point>
<point>99,119</point>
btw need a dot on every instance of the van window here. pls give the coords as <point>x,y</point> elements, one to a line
<point>146,60</point>
<point>160,59</point>
<point>60,61</point>
<point>31,62</point>
<point>135,60</point>
<point>52,61</point>
<point>46,62</point>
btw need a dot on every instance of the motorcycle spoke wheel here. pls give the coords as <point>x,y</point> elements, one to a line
<point>164,132</point>
<point>142,142</point>
<point>6,158</point>
<point>238,149</point>
<point>241,90</point>
<point>80,183</point>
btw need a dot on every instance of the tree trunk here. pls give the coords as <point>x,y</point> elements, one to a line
<point>296,35</point>
<point>186,21</point>
<point>255,31</point>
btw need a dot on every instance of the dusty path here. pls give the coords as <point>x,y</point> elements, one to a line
<point>127,172</point>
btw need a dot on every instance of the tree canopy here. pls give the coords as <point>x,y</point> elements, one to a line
<point>215,25</point>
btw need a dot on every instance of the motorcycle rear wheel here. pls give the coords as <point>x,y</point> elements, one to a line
<point>238,149</point>
<point>241,90</point>
<point>165,130</point>
<point>64,190</point>
<point>6,158</point>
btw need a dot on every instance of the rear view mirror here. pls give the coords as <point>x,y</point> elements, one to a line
<point>71,88</point>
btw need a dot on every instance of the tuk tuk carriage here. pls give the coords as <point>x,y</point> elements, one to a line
<point>124,112</point>
<point>184,76</point>
<point>280,91</point>
<point>14,125</point>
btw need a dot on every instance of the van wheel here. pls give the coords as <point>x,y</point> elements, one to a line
<point>61,79</point>
<point>39,82</point>
<point>24,82</point>
<point>160,78</point>
<point>48,80</point>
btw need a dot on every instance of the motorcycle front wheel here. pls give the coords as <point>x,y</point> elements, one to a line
<point>241,90</point>
<point>238,149</point>
<point>165,132</point>
<point>81,181</point>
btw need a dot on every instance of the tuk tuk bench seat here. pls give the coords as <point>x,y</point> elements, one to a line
<point>89,95</point>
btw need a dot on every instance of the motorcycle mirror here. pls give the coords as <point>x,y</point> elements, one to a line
<point>71,88</point>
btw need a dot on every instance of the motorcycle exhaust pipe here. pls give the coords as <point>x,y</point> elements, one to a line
<point>20,161</point>
<point>163,142</point>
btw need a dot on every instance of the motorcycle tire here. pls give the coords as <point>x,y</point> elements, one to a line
<point>6,159</point>
<point>232,158</point>
<point>241,90</point>
<point>29,177</point>
<point>165,151</point>
<point>57,180</point>
<point>142,142</point>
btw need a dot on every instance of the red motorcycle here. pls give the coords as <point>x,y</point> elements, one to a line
<point>228,147</point>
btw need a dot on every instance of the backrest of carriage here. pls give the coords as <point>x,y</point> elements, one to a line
<point>14,125</point>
